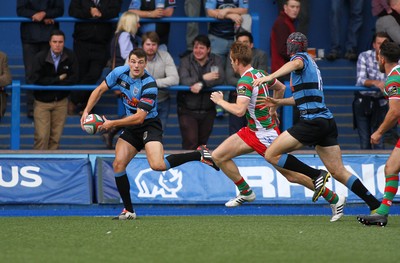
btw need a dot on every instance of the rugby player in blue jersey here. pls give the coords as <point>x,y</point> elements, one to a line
<point>316,127</point>
<point>142,127</point>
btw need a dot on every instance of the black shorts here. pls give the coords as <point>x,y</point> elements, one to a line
<point>139,135</point>
<point>319,131</point>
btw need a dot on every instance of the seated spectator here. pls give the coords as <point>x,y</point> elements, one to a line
<point>91,43</point>
<point>370,107</point>
<point>259,61</point>
<point>196,112</point>
<point>123,42</point>
<point>154,9</point>
<point>56,66</point>
<point>5,79</point>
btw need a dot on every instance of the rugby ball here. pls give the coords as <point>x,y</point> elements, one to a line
<point>92,123</point>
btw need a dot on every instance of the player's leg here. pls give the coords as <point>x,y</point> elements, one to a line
<point>392,170</point>
<point>124,153</point>
<point>234,146</point>
<point>332,158</point>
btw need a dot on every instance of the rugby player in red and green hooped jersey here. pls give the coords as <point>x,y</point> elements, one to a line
<point>389,55</point>
<point>260,131</point>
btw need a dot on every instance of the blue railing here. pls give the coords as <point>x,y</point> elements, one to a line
<point>255,26</point>
<point>16,87</point>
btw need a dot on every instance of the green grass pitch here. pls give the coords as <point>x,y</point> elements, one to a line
<point>191,239</point>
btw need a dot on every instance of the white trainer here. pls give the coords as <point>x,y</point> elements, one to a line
<point>240,199</point>
<point>125,215</point>
<point>337,209</point>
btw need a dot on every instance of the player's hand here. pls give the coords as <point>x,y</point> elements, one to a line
<point>217,96</point>
<point>83,119</point>
<point>258,82</point>
<point>274,115</point>
<point>267,102</point>
<point>376,138</point>
<point>107,125</point>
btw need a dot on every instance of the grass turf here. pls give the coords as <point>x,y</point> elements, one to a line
<point>196,239</point>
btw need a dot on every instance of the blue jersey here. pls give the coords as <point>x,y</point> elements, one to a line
<point>307,89</point>
<point>136,93</point>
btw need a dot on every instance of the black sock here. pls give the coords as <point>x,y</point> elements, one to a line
<point>294,164</point>
<point>359,189</point>
<point>123,187</point>
<point>181,158</point>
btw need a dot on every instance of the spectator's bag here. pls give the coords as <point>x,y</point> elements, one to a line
<point>3,101</point>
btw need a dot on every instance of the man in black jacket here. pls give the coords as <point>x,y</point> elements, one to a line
<point>35,35</point>
<point>91,42</point>
<point>56,66</point>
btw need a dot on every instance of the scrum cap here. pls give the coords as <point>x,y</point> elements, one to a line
<point>296,42</point>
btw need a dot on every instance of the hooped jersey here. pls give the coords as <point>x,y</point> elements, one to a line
<point>392,84</point>
<point>257,118</point>
<point>136,93</point>
<point>307,89</point>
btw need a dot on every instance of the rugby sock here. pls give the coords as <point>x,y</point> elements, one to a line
<point>391,185</point>
<point>174,160</point>
<point>330,196</point>
<point>243,187</point>
<point>355,185</point>
<point>290,162</point>
<point>123,187</point>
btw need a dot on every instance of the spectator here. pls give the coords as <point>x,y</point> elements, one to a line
<point>91,43</point>
<point>303,18</point>
<point>282,28</point>
<point>5,79</point>
<point>259,61</point>
<point>35,35</point>
<point>123,42</point>
<point>196,112</point>
<point>56,66</point>
<point>154,9</point>
<point>161,66</point>
<point>370,107</point>
<point>353,31</point>
<point>390,23</point>
<point>192,9</point>
<point>222,34</point>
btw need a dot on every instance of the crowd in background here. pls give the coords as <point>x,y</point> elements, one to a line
<point>203,65</point>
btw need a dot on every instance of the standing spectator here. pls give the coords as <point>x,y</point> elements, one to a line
<point>154,9</point>
<point>35,35</point>
<point>222,33</point>
<point>91,42</point>
<point>5,79</point>
<point>389,55</point>
<point>303,19</point>
<point>282,28</point>
<point>192,9</point>
<point>56,66</point>
<point>123,42</point>
<point>390,23</point>
<point>259,61</point>
<point>196,112</point>
<point>353,28</point>
<point>163,69</point>
<point>370,107</point>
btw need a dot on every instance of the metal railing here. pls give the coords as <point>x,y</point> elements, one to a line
<point>17,87</point>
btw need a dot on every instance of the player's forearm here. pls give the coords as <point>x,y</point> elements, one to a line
<point>233,108</point>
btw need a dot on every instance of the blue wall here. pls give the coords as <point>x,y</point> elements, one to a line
<point>267,10</point>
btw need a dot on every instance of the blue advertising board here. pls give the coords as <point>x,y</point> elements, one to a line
<point>45,181</point>
<point>197,183</point>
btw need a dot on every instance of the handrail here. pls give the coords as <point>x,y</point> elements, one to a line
<point>16,87</point>
<point>255,26</point>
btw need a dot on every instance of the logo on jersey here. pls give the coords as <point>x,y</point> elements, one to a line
<point>391,91</point>
<point>171,2</point>
<point>241,90</point>
<point>135,91</point>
